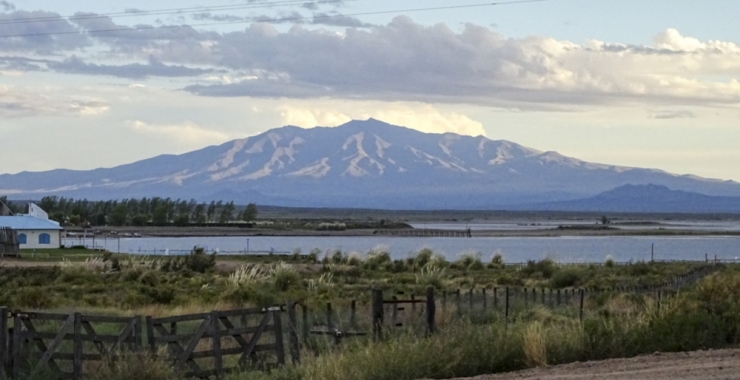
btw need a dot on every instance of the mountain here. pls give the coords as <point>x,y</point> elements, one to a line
<point>647,198</point>
<point>363,164</point>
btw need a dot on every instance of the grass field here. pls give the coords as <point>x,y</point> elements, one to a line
<point>617,325</point>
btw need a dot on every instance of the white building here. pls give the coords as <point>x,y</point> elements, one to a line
<point>35,230</point>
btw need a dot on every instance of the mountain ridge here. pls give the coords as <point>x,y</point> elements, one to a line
<point>360,164</point>
<point>645,199</point>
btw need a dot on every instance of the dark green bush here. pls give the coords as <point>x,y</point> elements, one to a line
<point>565,278</point>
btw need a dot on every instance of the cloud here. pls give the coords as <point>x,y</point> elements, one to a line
<point>187,133</point>
<point>409,62</point>
<point>32,35</point>
<point>337,19</point>
<point>216,17</point>
<point>405,61</point>
<point>671,114</point>
<point>422,117</point>
<point>154,67</point>
<point>20,64</point>
<point>6,6</point>
<point>16,103</point>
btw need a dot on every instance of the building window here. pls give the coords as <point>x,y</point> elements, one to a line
<point>21,238</point>
<point>44,239</point>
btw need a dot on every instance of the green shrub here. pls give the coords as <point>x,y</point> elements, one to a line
<point>34,297</point>
<point>545,267</point>
<point>149,278</point>
<point>497,262</point>
<point>565,278</point>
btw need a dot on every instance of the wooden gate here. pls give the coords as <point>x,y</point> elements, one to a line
<point>8,242</point>
<point>212,344</point>
<point>57,345</point>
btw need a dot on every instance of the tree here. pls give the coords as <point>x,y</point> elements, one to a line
<point>119,215</point>
<point>139,220</point>
<point>100,219</point>
<point>227,212</point>
<point>160,216</point>
<point>250,213</point>
<point>75,220</point>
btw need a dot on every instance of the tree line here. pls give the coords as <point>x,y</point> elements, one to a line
<point>140,212</point>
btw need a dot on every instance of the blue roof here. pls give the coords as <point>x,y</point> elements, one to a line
<point>25,222</point>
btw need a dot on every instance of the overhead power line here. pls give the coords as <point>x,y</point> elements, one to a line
<point>275,20</point>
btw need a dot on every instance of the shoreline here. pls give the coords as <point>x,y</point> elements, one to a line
<point>182,232</point>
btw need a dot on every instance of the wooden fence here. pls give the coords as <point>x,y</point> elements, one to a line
<point>8,242</point>
<point>390,311</point>
<point>60,346</point>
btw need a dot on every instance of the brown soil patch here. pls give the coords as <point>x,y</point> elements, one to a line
<point>697,365</point>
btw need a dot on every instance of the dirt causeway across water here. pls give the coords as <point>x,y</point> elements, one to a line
<point>697,365</point>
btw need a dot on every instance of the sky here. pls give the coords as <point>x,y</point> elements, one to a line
<point>629,82</point>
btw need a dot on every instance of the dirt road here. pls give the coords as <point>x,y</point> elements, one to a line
<point>698,365</point>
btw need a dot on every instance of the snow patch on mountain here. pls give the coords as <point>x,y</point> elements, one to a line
<point>276,162</point>
<point>380,146</point>
<point>229,172</point>
<point>354,169</point>
<point>318,170</point>
<point>228,157</point>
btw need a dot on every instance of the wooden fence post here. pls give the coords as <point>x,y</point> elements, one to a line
<point>413,304</point>
<point>580,312</point>
<point>543,297</point>
<point>558,299</point>
<point>279,347</point>
<point>507,304</point>
<point>431,310</point>
<point>3,341</point>
<point>485,301</point>
<point>150,335</point>
<point>495,298</point>
<point>304,319</point>
<point>526,297</point>
<point>352,313</point>
<point>218,359</point>
<point>329,322</point>
<point>138,330</point>
<point>444,300</point>
<point>294,346</point>
<point>77,348</point>
<point>17,338</point>
<point>457,301</point>
<point>470,298</point>
<point>377,313</point>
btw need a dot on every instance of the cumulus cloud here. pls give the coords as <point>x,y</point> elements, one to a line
<point>422,117</point>
<point>407,61</point>
<point>32,36</point>
<point>15,103</point>
<point>185,133</point>
<point>154,67</point>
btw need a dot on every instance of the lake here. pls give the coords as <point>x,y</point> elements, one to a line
<point>513,249</point>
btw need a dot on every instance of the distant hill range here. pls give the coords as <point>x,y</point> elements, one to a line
<point>646,199</point>
<point>371,164</point>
